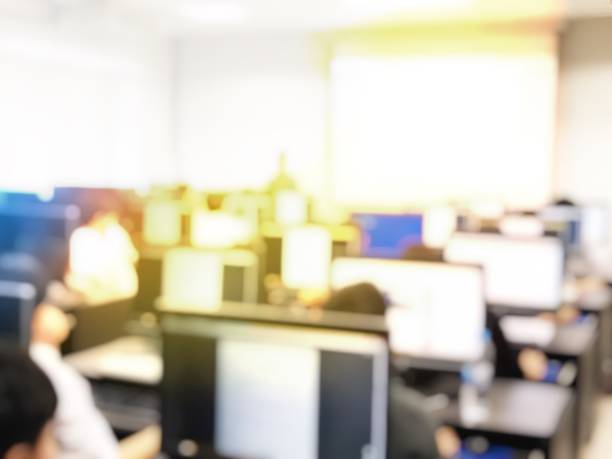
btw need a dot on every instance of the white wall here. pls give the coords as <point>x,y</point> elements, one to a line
<point>584,159</point>
<point>242,99</point>
<point>87,107</point>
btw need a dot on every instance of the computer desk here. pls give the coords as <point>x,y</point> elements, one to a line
<point>523,415</point>
<point>576,343</point>
<point>135,363</point>
<point>124,375</point>
<point>598,301</point>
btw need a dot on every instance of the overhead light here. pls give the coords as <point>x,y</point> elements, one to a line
<point>214,12</point>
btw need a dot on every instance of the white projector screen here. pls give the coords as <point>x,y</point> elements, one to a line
<point>424,126</point>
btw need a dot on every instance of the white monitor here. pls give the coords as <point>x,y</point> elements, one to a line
<point>192,277</point>
<point>306,256</point>
<point>594,227</point>
<point>162,223</point>
<point>437,310</point>
<point>526,273</point>
<point>253,389</point>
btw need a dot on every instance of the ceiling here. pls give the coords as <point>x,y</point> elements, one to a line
<point>196,16</point>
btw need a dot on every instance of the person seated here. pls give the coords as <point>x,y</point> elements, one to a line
<point>27,408</point>
<point>413,433</point>
<point>80,428</point>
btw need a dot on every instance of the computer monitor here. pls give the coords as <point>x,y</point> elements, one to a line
<point>436,310</point>
<point>240,277</point>
<point>193,277</point>
<point>162,223</point>
<point>525,273</point>
<point>388,235</point>
<point>252,385</point>
<point>306,256</point>
<point>595,227</point>
<point>42,230</point>
<point>565,221</point>
<point>17,302</point>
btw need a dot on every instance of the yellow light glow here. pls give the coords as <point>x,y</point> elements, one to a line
<point>306,258</point>
<point>102,259</point>
<point>192,278</point>
<point>291,208</point>
<point>162,223</point>
<point>219,230</point>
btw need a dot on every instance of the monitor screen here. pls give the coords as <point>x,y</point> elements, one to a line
<point>41,230</point>
<point>17,301</point>
<point>192,277</point>
<point>595,226</point>
<point>239,389</point>
<point>567,220</point>
<point>519,272</point>
<point>162,222</point>
<point>437,310</point>
<point>389,235</point>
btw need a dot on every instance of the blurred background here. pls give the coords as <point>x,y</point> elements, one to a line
<point>164,159</point>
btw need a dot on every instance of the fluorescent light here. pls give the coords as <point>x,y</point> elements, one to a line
<point>213,12</point>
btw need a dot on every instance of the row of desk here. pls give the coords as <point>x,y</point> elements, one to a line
<point>529,416</point>
<point>546,418</point>
<point>125,372</point>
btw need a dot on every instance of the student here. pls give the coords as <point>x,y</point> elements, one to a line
<point>413,433</point>
<point>27,406</point>
<point>80,428</point>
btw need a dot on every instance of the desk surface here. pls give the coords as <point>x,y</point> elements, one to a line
<point>575,339</point>
<point>568,340</point>
<point>596,300</point>
<point>130,359</point>
<point>518,408</point>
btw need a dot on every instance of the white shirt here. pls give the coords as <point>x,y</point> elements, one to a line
<point>80,428</point>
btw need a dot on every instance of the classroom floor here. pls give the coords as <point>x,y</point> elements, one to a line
<point>601,443</point>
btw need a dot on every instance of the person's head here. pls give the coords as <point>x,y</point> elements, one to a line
<point>27,407</point>
<point>423,253</point>
<point>361,298</point>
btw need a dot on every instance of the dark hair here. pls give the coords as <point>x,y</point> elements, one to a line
<point>27,400</point>
<point>361,298</point>
<point>423,253</point>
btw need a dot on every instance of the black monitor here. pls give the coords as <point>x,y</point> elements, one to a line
<point>264,385</point>
<point>17,302</point>
<point>42,230</point>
